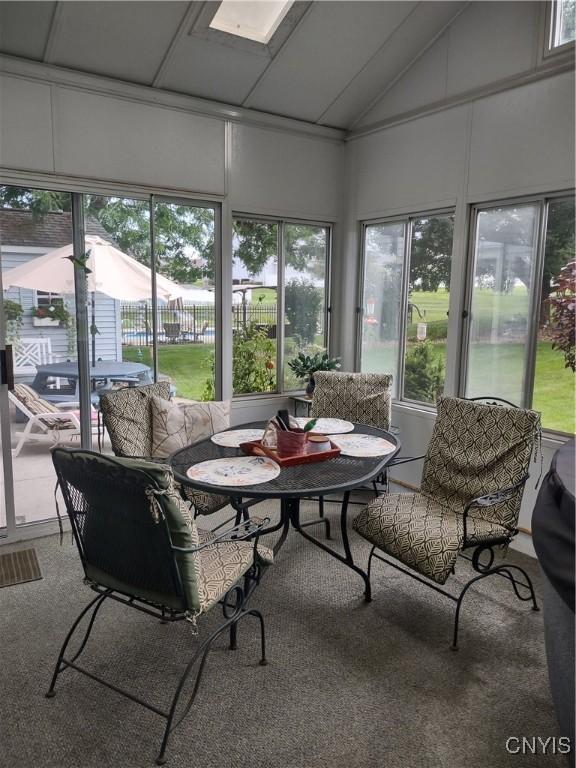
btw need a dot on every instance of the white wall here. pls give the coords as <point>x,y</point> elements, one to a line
<point>488,42</point>
<point>406,157</point>
<point>75,132</point>
<point>67,127</point>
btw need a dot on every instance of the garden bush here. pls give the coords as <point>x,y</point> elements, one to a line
<point>254,366</point>
<point>302,303</point>
<point>423,373</point>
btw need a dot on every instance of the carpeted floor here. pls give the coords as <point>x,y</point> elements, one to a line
<point>349,684</point>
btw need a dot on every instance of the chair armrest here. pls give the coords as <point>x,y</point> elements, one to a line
<point>492,499</point>
<point>249,528</point>
<point>397,462</point>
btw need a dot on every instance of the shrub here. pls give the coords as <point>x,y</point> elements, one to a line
<point>423,373</point>
<point>13,313</point>
<point>563,305</point>
<point>254,367</point>
<point>303,302</point>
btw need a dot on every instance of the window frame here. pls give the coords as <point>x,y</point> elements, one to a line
<point>281,222</point>
<point>550,49</point>
<point>406,220</point>
<point>542,201</point>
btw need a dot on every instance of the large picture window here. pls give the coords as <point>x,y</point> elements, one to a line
<point>405,295</point>
<point>518,345</point>
<point>279,301</point>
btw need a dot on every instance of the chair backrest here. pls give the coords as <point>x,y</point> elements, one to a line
<point>172,330</point>
<point>125,516</point>
<point>29,353</point>
<point>127,417</point>
<point>477,449</point>
<point>361,397</point>
<point>27,400</point>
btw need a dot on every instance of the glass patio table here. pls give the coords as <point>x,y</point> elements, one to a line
<point>341,474</point>
<point>103,370</point>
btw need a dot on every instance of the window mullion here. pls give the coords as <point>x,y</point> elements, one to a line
<point>280,308</point>
<point>534,311</point>
<point>404,308</point>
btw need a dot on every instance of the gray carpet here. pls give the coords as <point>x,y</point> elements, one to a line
<point>349,684</point>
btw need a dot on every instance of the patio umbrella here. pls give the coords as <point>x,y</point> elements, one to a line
<point>111,272</point>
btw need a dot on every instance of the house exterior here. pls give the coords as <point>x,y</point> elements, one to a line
<point>24,236</point>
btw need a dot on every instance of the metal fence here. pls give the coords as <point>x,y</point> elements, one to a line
<point>192,323</point>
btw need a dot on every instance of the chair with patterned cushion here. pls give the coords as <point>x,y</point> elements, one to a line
<point>128,417</point>
<point>472,484</point>
<point>360,397</point>
<point>364,398</point>
<point>140,548</point>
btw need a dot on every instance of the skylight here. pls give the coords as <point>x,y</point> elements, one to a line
<point>256,20</point>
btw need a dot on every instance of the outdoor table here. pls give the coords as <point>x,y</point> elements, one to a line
<point>104,370</point>
<point>341,474</point>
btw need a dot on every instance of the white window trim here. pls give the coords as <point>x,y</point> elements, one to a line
<point>549,50</point>
<point>406,219</point>
<point>281,221</point>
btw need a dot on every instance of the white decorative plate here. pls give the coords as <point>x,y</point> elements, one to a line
<point>327,426</point>
<point>362,445</point>
<point>233,437</point>
<point>236,471</point>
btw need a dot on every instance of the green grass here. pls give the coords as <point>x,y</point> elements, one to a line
<point>495,369</point>
<point>187,365</point>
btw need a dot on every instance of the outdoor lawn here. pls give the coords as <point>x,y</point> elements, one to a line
<point>495,368</point>
<point>187,365</point>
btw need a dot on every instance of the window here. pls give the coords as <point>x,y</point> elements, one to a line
<point>562,23</point>
<point>279,301</point>
<point>554,380</point>
<point>518,340</point>
<point>405,297</point>
<point>253,20</point>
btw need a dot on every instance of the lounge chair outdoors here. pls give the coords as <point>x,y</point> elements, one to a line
<point>46,422</point>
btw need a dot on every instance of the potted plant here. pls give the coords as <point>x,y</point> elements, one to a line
<point>50,314</point>
<point>13,313</point>
<point>305,366</point>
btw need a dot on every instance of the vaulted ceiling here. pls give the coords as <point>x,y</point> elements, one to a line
<point>327,63</point>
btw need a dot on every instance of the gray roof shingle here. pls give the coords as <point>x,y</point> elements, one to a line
<point>50,230</point>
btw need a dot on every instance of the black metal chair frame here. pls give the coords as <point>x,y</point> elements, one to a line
<point>483,569</point>
<point>234,608</point>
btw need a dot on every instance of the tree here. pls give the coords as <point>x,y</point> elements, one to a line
<point>431,255</point>
<point>183,234</point>
<point>255,242</point>
<point>303,302</point>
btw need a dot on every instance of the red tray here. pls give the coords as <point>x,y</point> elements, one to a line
<point>255,448</point>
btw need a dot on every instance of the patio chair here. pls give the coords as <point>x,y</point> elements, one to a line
<point>363,398</point>
<point>127,416</point>
<point>140,548</point>
<point>45,422</point>
<point>472,484</point>
<point>172,332</point>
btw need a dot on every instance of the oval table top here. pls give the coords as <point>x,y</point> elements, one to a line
<point>341,473</point>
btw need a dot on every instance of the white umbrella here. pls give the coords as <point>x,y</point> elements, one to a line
<point>111,272</point>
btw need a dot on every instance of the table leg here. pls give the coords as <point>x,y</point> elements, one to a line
<point>284,523</point>
<point>347,559</point>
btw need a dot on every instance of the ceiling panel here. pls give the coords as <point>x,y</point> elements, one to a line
<point>213,71</point>
<point>323,54</point>
<point>404,47</point>
<point>126,40</point>
<point>24,28</point>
